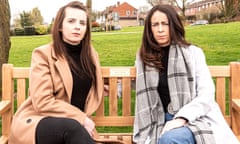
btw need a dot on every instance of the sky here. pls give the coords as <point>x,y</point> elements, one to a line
<point>49,8</point>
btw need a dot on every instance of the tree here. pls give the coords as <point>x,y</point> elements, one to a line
<point>25,19</point>
<point>89,7</point>
<point>4,35</point>
<point>36,17</point>
<point>30,18</point>
<point>156,2</point>
<point>229,8</point>
<point>142,13</point>
<point>94,15</point>
<point>181,4</point>
<point>16,23</point>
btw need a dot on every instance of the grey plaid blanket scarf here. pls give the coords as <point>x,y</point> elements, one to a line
<point>149,113</point>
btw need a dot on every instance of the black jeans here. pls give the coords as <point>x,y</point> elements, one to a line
<point>52,130</point>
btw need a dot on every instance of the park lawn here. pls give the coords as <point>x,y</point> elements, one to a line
<point>220,43</point>
<point>117,49</point>
<point>22,46</point>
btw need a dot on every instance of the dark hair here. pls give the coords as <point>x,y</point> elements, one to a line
<point>150,51</point>
<point>86,58</point>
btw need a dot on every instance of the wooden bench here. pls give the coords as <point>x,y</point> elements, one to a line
<point>119,112</point>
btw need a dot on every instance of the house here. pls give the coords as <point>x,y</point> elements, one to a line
<point>213,10</point>
<point>122,15</point>
<point>202,9</point>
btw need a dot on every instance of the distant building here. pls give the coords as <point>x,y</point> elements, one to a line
<point>202,9</point>
<point>120,15</point>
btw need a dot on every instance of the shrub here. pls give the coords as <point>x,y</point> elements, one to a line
<point>29,30</point>
<point>95,24</point>
<point>19,31</point>
<point>97,29</point>
<point>41,30</point>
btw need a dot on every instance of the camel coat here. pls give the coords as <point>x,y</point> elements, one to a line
<point>50,90</point>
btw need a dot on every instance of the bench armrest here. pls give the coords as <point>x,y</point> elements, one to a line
<point>236,108</point>
<point>236,105</point>
<point>3,139</point>
<point>4,106</point>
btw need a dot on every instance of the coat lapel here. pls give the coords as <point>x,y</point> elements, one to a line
<point>65,73</point>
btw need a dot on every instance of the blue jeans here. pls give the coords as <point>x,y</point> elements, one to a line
<point>182,135</point>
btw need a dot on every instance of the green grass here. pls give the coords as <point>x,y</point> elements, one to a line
<point>22,46</point>
<point>220,43</point>
<point>117,48</point>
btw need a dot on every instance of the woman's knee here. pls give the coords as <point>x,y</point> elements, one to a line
<point>75,127</point>
<point>77,134</point>
<point>166,138</point>
<point>177,136</point>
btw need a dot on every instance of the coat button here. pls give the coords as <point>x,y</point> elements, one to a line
<point>29,120</point>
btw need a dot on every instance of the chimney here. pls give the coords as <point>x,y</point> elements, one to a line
<point>118,3</point>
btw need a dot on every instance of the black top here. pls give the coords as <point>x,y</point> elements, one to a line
<point>163,89</point>
<point>81,82</point>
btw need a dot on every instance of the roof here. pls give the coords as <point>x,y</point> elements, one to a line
<point>121,9</point>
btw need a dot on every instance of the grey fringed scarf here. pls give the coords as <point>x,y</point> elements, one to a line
<point>149,113</point>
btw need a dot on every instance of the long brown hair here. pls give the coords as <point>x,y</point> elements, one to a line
<point>150,52</point>
<point>86,58</point>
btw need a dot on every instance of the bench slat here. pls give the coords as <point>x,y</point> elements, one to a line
<point>126,96</point>
<point>113,101</point>
<point>21,91</point>
<point>126,137</point>
<point>219,71</point>
<point>221,93</point>
<point>21,72</point>
<point>114,120</point>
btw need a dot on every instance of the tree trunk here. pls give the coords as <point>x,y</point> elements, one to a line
<point>89,7</point>
<point>4,36</point>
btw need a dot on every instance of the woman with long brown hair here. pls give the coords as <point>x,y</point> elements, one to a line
<point>65,85</point>
<point>175,91</point>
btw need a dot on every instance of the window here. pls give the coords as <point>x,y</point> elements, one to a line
<point>128,13</point>
<point>134,13</point>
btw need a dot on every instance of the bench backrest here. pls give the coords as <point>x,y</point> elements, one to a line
<point>114,110</point>
<point>120,108</point>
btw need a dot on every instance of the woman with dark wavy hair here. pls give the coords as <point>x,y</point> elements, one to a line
<point>65,85</point>
<point>175,92</point>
